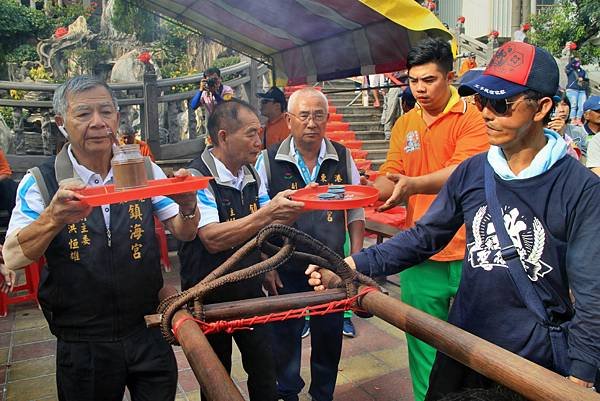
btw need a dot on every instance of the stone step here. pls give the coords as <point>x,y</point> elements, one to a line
<point>369,135</point>
<point>357,109</point>
<point>366,126</point>
<point>376,154</point>
<point>362,117</point>
<point>376,144</point>
<point>337,84</point>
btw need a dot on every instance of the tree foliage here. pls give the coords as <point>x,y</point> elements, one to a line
<point>19,26</point>
<point>569,20</point>
<point>132,19</point>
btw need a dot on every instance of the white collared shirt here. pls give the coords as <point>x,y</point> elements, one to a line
<point>209,213</point>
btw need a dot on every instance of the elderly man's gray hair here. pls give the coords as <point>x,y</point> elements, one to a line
<point>76,85</point>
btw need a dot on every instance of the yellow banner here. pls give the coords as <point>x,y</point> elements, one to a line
<point>410,14</point>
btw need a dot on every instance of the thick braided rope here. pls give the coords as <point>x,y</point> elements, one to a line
<point>225,273</point>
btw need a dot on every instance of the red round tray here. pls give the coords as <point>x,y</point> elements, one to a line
<point>104,195</point>
<point>355,196</point>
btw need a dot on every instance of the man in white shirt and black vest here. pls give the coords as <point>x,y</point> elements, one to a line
<point>307,157</point>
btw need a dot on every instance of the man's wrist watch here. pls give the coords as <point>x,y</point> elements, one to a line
<point>188,216</point>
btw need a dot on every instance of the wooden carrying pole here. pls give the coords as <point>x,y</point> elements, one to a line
<point>532,381</point>
<point>214,380</point>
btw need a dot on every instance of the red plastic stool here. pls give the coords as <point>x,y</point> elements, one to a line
<point>31,285</point>
<point>161,237</point>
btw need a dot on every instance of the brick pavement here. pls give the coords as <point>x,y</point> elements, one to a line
<point>374,365</point>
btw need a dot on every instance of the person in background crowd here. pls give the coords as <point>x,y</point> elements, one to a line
<point>573,135</point>
<point>427,144</point>
<point>374,81</point>
<point>307,157</point>
<point>591,116</point>
<point>468,64</point>
<point>520,35</point>
<point>212,91</point>
<point>592,127</point>
<point>391,105</point>
<point>103,264</point>
<point>8,187</point>
<point>273,106</point>
<point>531,213</point>
<point>576,89</point>
<point>128,137</point>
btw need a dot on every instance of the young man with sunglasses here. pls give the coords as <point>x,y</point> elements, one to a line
<point>548,204</point>
<point>427,144</point>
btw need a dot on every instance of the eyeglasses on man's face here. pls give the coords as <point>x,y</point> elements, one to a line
<point>499,106</point>
<point>317,116</point>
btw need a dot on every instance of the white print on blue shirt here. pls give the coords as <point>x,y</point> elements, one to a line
<point>529,240</point>
<point>413,141</point>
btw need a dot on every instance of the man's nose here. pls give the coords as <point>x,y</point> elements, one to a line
<point>97,120</point>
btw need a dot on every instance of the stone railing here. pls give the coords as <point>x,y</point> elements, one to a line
<point>164,112</point>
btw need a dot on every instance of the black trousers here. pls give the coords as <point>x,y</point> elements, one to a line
<point>257,359</point>
<point>99,371</point>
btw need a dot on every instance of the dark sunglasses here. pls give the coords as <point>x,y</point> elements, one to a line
<point>500,106</point>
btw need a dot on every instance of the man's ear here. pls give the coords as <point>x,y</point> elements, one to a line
<point>59,120</point>
<point>288,120</point>
<point>222,135</point>
<point>545,104</point>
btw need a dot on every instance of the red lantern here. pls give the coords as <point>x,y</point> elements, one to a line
<point>461,19</point>
<point>144,57</point>
<point>60,32</point>
<point>494,34</point>
<point>526,26</point>
<point>572,45</point>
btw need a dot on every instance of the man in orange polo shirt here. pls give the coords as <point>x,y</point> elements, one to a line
<point>8,188</point>
<point>273,106</point>
<point>427,144</point>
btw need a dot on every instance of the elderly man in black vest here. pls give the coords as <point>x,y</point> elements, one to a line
<point>304,158</point>
<point>234,208</point>
<point>103,273</point>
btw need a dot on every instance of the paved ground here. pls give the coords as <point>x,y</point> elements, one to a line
<point>374,365</point>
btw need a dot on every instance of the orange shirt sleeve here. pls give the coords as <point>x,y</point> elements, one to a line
<point>4,166</point>
<point>394,162</point>
<point>470,137</point>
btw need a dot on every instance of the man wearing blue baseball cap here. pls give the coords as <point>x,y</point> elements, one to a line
<point>531,214</point>
<point>591,115</point>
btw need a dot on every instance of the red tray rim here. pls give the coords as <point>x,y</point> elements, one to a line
<point>160,187</point>
<point>371,196</point>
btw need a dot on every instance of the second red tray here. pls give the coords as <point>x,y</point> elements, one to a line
<point>105,195</point>
<point>356,196</point>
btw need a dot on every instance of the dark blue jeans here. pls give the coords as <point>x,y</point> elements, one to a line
<point>326,343</point>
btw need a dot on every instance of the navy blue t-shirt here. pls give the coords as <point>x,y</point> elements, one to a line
<point>553,218</point>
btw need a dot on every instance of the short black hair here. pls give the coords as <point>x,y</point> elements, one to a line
<point>212,70</point>
<point>225,117</point>
<point>431,50</point>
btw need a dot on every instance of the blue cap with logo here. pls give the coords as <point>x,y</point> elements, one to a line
<point>592,103</point>
<point>515,68</point>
